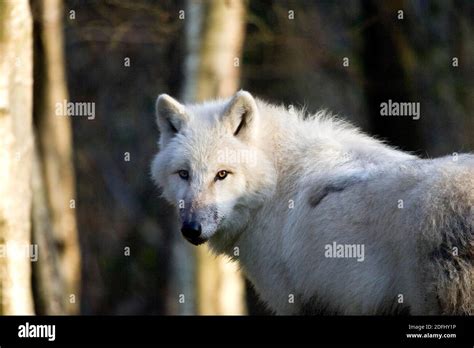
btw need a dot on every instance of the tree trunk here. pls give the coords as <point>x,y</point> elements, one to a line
<point>55,150</point>
<point>214,38</point>
<point>16,155</point>
<point>48,284</point>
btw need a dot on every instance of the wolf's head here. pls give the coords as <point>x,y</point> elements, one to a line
<point>211,166</point>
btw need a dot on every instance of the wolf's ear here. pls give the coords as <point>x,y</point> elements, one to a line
<point>241,115</point>
<point>170,117</point>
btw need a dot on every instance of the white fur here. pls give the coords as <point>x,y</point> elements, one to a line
<point>317,180</point>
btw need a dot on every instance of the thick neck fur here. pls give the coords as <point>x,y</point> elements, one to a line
<point>295,142</point>
<point>294,138</point>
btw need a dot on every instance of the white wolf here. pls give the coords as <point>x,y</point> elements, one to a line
<point>276,191</point>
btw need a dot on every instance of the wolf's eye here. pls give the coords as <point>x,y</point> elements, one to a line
<point>221,175</point>
<point>183,174</point>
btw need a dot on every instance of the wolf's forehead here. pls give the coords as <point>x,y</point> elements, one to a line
<point>207,112</point>
<point>203,141</point>
<point>203,146</point>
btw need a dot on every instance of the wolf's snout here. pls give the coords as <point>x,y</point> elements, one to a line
<point>191,230</point>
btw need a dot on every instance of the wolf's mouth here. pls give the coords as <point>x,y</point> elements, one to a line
<point>196,240</point>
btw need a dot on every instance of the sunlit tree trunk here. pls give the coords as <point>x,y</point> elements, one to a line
<point>16,155</point>
<point>214,37</point>
<point>55,150</point>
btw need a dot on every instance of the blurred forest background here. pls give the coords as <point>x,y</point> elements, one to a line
<point>80,188</point>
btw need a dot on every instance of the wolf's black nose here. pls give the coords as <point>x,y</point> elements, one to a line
<point>191,229</point>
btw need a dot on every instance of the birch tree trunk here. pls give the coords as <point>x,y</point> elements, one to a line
<point>214,37</point>
<point>55,150</point>
<point>16,155</point>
